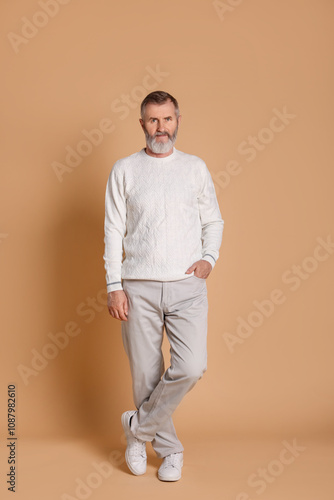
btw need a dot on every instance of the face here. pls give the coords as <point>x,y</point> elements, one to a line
<point>160,126</point>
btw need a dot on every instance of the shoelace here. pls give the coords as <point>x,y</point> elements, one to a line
<point>139,448</point>
<point>172,460</point>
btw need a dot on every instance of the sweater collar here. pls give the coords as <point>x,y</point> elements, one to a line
<point>159,160</point>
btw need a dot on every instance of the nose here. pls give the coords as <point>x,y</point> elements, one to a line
<point>160,126</point>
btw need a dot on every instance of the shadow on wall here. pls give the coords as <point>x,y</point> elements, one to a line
<point>92,368</point>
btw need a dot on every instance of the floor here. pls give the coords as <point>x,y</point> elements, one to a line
<point>229,469</point>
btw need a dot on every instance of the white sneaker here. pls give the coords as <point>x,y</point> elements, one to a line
<point>135,454</point>
<point>170,469</point>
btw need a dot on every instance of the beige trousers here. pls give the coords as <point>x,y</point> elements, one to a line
<point>181,308</point>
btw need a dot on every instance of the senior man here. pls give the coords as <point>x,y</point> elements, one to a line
<point>161,209</point>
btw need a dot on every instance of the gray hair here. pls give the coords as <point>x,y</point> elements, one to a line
<point>159,97</point>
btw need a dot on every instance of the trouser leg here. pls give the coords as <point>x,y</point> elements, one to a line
<point>185,307</point>
<point>142,336</point>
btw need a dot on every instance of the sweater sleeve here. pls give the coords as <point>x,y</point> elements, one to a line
<point>114,229</point>
<point>211,220</point>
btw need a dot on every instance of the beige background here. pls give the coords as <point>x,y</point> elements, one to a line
<point>233,66</point>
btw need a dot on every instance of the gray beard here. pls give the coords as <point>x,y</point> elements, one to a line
<point>160,147</point>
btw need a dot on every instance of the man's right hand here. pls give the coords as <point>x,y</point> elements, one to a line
<point>118,305</point>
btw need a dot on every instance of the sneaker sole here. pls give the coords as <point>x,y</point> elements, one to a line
<point>127,433</point>
<point>169,479</point>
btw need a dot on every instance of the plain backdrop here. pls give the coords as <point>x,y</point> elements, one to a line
<point>254,81</point>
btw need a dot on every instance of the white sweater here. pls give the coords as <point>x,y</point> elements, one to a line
<point>164,213</point>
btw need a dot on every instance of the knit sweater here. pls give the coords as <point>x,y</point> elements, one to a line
<point>163,213</point>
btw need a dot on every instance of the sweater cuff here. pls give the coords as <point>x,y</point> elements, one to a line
<point>209,259</point>
<point>113,286</point>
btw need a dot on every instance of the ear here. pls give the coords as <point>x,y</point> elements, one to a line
<point>141,122</point>
<point>179,120</point>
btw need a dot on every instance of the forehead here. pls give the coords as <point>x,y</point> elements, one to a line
<point>160,110</point>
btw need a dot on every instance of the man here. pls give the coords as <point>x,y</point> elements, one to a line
<point>161,208</point>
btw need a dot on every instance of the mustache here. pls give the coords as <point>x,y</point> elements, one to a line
<point>161,133</point>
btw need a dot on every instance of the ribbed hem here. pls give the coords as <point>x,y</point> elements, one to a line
<point>116,285</point>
